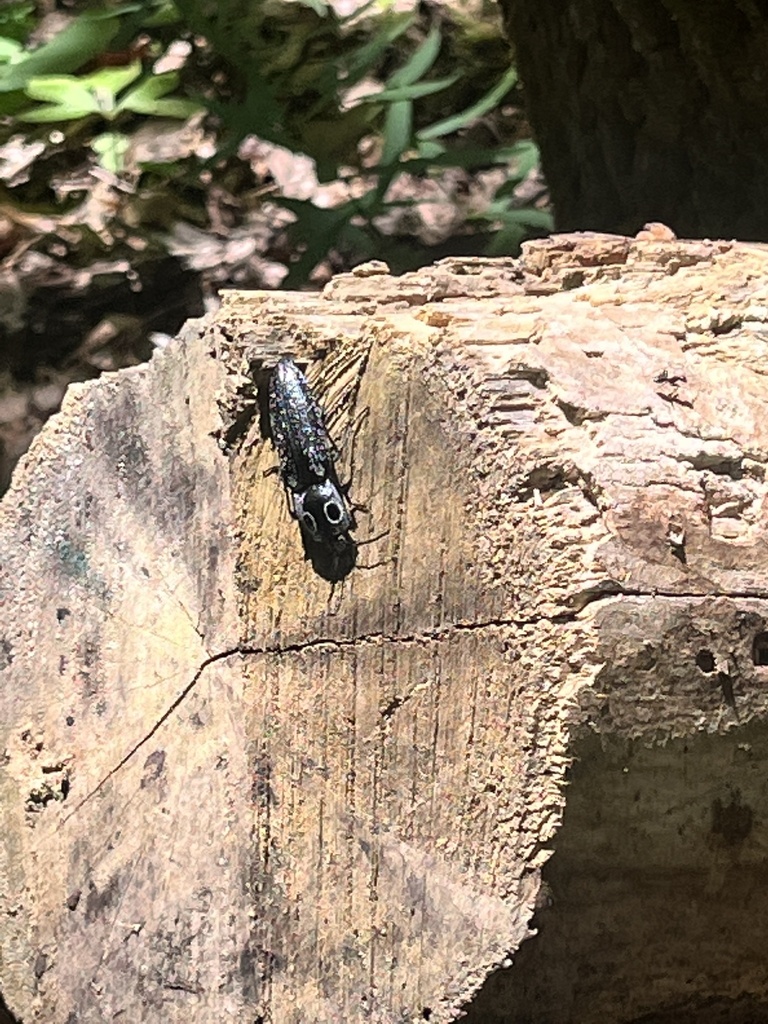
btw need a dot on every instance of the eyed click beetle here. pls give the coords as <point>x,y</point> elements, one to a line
<point>305,450</point>
<point>307,457</point>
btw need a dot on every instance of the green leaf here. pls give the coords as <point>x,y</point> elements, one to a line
<point>53,112</point>
<point>539,220</point>
<point>86,37</point>
<point>483,105</point>
<point>518,151</point>
<point>516,225</point>
<point>398,129</point>
<point>411,92</point>
<point>525,156</point>
<point>154,86</point>
<point>430,150</point>
<point>420,63</point>
<point>165,13</point>
<point>502,209</point>
<point>50,113</point>
<point>68,99</point>
<point>146,98</point>
<point>9,49</point>
<point>17,19</point>
<point>111,148</point>
<point>179,108</point>
<point>522,157</point>
<point>367,56</point>
<point>112,80</point>
<point>506,241</point>
<point>58,89</point>
<point>259,112</point>
<point>75,97</point>
<point>317,218</point>
<point>467,157</point>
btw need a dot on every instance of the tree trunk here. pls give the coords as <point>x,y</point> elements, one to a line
<point>233,792</point>
<point>649,111</point>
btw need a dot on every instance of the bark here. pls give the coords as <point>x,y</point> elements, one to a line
<point>233,792</point>
<point>649,110</point>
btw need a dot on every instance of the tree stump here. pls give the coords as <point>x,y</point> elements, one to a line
<point>512,767</point>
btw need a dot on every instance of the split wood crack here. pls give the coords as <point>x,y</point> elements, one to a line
<point>427,636</point>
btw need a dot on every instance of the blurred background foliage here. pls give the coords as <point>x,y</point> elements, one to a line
<point>152,152</point>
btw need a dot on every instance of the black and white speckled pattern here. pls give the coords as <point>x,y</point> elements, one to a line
<point>307,456</point>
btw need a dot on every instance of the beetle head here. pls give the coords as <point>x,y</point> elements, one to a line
<point>323,513</point>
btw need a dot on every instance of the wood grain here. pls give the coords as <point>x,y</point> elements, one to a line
<point>233,792</point>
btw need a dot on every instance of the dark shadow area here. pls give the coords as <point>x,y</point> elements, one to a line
<point>655,898</point>
<point>760,650</point>
<point>6,1017</point>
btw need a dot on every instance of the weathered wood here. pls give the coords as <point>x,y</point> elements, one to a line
<point>231,792</point>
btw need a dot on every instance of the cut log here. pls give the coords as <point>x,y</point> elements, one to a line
<point>512,767</point>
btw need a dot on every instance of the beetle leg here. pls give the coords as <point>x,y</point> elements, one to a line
<point>370,540</point>
<point>291,503</point>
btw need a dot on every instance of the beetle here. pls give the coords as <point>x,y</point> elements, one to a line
<point>307,458</point>
<point>304,448</point>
